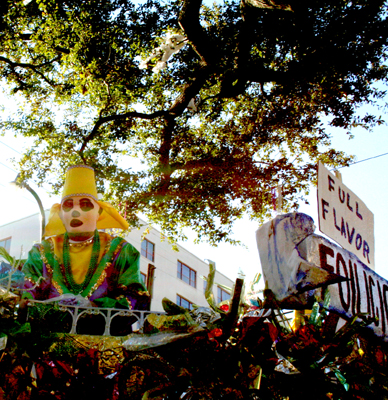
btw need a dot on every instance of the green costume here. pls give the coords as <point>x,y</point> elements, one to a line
<point>115,282</point>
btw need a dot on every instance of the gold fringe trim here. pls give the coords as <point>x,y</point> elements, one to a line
<point>103,273</point>
<point>99,281</point>
<point>49,267</point>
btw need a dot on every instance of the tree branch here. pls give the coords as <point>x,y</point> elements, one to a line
<point>33,67</point>
<point>27,37</point>
<point>117,117</point>
<point>189,92</point>
<point>209,163</point>
<point>180,104</point>
<point>189,22</point>
<point>236,83</point>
<point>244,71</point>
<point>164,152</point>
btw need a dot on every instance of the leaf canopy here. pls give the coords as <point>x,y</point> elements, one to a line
<point>197,139</point>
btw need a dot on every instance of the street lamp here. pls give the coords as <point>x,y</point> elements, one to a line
<point>24,185</point>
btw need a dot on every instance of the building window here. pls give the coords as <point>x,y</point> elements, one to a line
<point>6,243</point>
<point>181,301</point>
<point>187,274</point>
<point>143,278</point>
<point>148,250</point>
<point>222,295</point>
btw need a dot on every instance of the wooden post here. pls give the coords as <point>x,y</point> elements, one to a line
<point>279,205</point>
<point>234,307</point>
<point>338,175</point>
<point>150,279</point>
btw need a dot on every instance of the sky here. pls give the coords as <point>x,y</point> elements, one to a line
<point>366,178</point>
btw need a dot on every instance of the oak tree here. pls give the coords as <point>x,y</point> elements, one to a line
<point>190,112</point>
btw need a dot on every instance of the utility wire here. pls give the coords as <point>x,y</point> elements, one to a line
<point>14,170</point>
<point>24,197</point>
<point>10,147</point>
<point>366,159</point>
<point>6,166</point>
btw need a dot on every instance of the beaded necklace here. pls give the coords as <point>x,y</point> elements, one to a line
<point>74,287</point>
<point>82,244</point>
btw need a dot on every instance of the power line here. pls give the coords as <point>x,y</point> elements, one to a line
<point>6,166</point>
<point>10,147</point>
<point>24,197</point>
<point>366,159</point>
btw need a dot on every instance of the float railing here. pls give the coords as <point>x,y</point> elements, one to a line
<point>109,314</point>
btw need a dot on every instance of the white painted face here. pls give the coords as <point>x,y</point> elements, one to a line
<point>79,214</point>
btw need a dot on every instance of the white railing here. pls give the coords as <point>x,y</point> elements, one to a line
<point>76,312</point>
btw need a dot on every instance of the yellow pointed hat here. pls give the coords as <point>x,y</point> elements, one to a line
<point>80,181</point>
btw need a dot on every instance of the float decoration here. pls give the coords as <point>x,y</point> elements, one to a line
<point>298,265</point>
<point>287,274</point>
<point>262,358</point>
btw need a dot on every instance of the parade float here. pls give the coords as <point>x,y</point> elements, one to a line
<point>246,348</point>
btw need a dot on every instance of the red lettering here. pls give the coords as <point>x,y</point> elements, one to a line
<point>340,262</point>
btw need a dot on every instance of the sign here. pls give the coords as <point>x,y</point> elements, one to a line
<point>344,217</point>
<point>364,292</point>
<point>298,265</point>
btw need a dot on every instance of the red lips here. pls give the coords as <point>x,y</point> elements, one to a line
<point>75,223</point>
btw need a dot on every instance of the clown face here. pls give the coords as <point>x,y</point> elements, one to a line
<point>79,214</point>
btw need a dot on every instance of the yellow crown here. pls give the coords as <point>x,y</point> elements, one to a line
<point>80,181</point>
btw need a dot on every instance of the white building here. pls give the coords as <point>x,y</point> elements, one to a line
<point>177,274</point>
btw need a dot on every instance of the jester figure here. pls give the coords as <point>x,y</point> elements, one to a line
<point>78,258</point>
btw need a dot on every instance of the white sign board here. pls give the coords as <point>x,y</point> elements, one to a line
<point>344,217</point>
<point>297,264</point>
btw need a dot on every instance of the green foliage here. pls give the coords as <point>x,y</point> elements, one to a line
<point>13,274</point>
<point>7,257</point>
<point>262,81</point>
<point>257,361</point>
<point>209,286</point>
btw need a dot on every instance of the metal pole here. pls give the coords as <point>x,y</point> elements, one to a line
<point>41,209</point>
<point>36,197</point>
